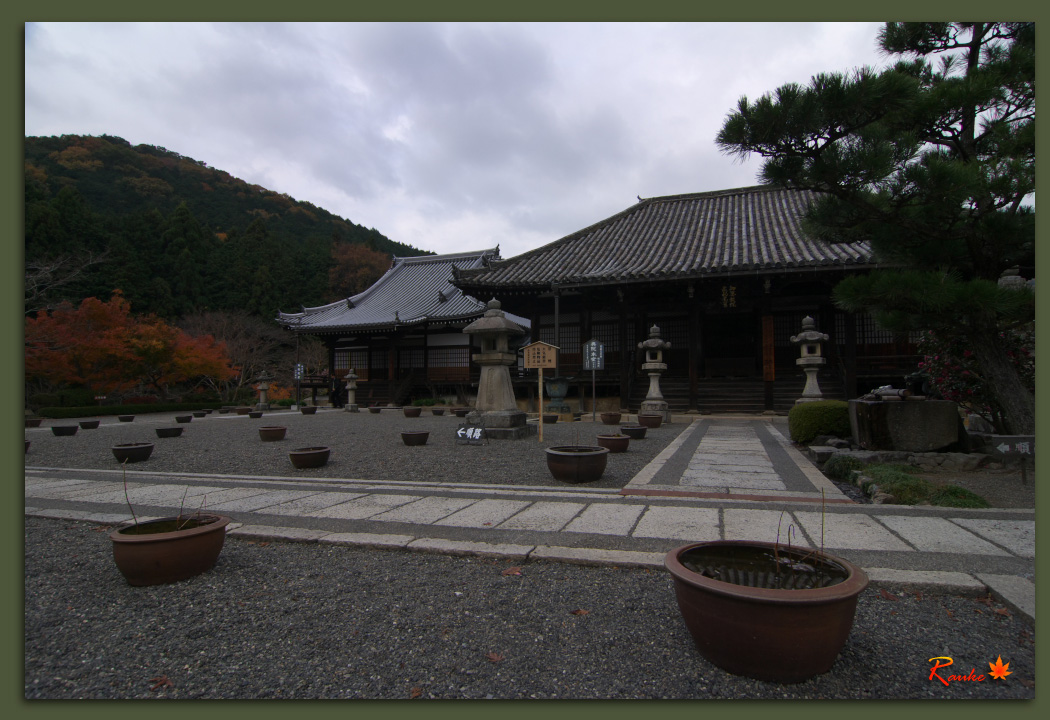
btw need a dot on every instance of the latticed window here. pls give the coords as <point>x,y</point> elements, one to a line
<point>342,359</point>
<point>607,333</point>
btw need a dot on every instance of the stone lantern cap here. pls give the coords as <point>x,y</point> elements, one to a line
<point>654,342</point>
<point>809,333</point>
<point>494,321</point>
<point>264,376</point>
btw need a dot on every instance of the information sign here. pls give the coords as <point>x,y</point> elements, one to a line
<point>593,355</point>
<point>470,435</point>
<point>540,355</point>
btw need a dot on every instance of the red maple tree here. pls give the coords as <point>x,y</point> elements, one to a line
<point>103,346</point>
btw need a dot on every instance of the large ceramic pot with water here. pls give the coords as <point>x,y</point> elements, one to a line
<point>763,610</point>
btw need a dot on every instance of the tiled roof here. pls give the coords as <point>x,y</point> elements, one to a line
<point>414,290</point>
<point>677,237</point>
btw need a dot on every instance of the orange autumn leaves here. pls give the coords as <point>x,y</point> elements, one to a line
<point>103,346</point>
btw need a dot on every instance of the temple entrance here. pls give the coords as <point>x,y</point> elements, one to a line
<point>731,344</point>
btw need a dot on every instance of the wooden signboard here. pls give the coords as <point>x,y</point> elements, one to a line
<point>540,355</point>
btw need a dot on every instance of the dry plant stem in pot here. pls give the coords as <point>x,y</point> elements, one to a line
<point>168,549</point>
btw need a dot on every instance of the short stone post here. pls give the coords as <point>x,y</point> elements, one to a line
<point>351,391</point>
<point>810,342</point>
<point>654,347</point>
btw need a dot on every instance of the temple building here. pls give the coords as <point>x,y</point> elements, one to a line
<point>403,336</point>
<point>726,276</point>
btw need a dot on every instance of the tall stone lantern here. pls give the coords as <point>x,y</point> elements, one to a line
<point>811,360</point>
<point>351,391</point>
<point>654,364</point>
<point>264,385</point>
<point>499,411</point>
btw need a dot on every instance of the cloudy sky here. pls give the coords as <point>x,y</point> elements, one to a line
<point>447,137</point>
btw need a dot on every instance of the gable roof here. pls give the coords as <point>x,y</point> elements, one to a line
<point>413,291</point>
<point>737,231</point>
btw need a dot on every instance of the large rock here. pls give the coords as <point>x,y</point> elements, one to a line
<point>914,426</point>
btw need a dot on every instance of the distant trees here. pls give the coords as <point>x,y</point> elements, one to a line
<point>354,269</point>
<point>102,346</point>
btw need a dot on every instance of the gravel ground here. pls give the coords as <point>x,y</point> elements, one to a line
<point>364,446</point>
<point>284,620</point>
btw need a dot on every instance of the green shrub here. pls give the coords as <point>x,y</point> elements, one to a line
<point>955,496</point>
<point>821,417</point>
<point>426,402</point>
<point>842,467</point>
<point>95,411</point>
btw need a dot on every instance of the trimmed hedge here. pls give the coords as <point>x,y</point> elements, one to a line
<point>821,417</point>
<point>96,410</point>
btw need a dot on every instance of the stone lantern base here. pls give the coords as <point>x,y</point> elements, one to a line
<point>656,407</point>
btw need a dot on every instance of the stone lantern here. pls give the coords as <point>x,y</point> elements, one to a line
<point>351,391</point>
<point>654,364</point>
<point>811,360</point>
<point>264,385</point>
<point>496,404</point>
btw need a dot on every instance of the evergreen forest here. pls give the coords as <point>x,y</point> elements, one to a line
<point>178,237</point>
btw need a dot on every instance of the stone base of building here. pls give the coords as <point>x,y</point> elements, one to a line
<point>514,433</point>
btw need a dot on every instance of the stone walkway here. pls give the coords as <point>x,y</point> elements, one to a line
<point>726,478</point>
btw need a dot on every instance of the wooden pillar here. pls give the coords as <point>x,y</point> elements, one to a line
<point>769,366</point>
<point>557,333</point>
<point>426,352</point>
<point>850,361</point>
<point>626,356</point>
<point>694,352</point>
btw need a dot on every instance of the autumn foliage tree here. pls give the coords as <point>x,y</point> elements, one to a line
<point>103,346</point>
<point>355,268</point>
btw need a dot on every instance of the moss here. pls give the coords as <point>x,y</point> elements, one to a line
<point>955,496</point>
<point>822,417</point>
<point>842,467</point>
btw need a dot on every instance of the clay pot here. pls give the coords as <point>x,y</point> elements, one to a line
<point>255,414</point>
<point>243,410</point>
<point>272,433</point>
<point>33,422</point>
<point>635,432</point>
<point>550,419</point>
<point>169,549</point>
<point>437,411</point>
<point>183,418</point>
<point>126,418</point>
<point>650,420</point>
<point>415,437</point>
<point>308,409</point>
<point>577,463</point>
<point>411,411</point>
<point>461,412</point>
<point>199,414</point>
<point>132,452</point>
<point>615,443</point>
<point>65,429</point>
<point>89,424</point>
<point>374,410</point>
<point>169,432</point>
<point>610,418</point>
<point>310,457</point>
<point>783,625</point>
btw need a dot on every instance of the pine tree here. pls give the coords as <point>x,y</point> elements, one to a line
<point>932,162</point>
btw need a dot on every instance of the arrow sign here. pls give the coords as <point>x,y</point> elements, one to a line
<point>1003,448</point>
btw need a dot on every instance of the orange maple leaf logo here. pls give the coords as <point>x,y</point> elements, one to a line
<point>999,669</point>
